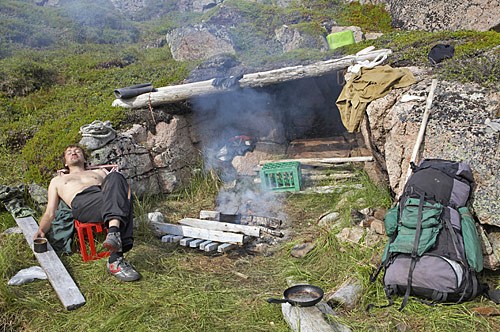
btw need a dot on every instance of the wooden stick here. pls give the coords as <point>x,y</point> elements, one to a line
<point>333,160</point>
<point>423,125</point>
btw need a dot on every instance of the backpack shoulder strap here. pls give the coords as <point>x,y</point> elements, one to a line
<point>414,251</point>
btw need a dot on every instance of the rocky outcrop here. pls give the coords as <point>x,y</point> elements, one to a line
<point>480,15</point>
<point>457,130</point>
<point>129,6</point>
<point>199,42</point>
<point>197,5</point>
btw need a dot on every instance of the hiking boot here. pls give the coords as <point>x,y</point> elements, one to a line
<point>122,270</point>
<point>113,242</point>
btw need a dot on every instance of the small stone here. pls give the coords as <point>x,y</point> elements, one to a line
<point>155,217</point>
<point>377,226</point>
<point>347,295</point>
<point>300,250</point>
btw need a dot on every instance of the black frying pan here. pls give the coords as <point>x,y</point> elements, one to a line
<point>300,295</point>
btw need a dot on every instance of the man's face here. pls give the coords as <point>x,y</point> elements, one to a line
<point>74,156</point>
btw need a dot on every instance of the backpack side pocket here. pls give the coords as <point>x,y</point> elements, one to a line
<point>472,245</point>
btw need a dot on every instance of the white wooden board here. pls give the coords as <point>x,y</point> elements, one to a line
<point>221,226</point>
<point>58,276</point>
<point>197,233</point>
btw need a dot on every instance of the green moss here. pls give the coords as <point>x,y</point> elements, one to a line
<point>368,17</point>
<point>484,70</point>
<point>311,28</point>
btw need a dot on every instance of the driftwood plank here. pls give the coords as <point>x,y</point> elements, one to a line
<point>58,276</point>
<point>221,226</point>
<point>176,238</point>
<point>195,243</point>
<point>330,189</point>
<point>225,247</point>
<point>186,241</point>
<point>167,238</point>
<point>204,244</point>
<point>210,215</point>
<point>197,233</point>
<point>176,93</point>
<point>211,246</point>
<point>314,161</point>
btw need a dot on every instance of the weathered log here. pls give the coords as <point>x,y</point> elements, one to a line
<point>176,93</point>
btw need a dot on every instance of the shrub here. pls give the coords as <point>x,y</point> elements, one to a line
<point>484,70</point>
<point>25,77</point>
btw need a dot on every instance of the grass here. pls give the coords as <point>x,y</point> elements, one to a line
<point>186,290</point>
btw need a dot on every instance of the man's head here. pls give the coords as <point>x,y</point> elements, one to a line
<point>74,155</point>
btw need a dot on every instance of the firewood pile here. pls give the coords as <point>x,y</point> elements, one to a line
<point>214,231</point>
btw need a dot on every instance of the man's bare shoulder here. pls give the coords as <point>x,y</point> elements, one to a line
<point>57,180</point>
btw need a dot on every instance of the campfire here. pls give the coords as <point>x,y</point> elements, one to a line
<point>214,231</point>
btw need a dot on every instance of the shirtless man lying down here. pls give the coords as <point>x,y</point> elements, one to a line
<point>93,196</point>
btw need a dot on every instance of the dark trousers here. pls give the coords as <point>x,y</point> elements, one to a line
<point>111,200</point>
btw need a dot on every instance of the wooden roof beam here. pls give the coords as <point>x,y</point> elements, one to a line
<point>176,93</point>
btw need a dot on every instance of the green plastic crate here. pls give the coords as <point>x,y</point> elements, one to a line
<point>339,39</point>
<point>281,176</point>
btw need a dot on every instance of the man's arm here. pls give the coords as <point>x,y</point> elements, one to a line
<point>50,211</point>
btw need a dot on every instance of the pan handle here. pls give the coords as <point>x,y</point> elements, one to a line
<point>273,300</point>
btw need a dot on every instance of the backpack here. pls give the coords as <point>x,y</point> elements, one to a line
<point>433,251</point>
<point>440,52</point>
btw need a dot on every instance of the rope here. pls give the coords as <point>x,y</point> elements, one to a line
<point>97,129</point>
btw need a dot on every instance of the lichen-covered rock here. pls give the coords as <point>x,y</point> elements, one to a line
<point>133,161</point>
<point>480,15</point>
<point>129,6</point>
<point>197,5</point>
<point>199,41</point>
<point>174,155</point>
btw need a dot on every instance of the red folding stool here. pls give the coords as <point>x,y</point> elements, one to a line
<point>85,230</point>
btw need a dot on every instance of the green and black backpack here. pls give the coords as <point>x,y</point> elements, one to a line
<point>433,252</point>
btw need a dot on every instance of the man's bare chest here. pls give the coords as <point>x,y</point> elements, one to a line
<point>81,179</point>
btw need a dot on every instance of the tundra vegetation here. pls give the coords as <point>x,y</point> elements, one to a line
<point>58,69</point>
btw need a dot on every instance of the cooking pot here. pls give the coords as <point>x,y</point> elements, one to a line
<point>300,295</point>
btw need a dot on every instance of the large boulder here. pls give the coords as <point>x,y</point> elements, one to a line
<point>480,15</point>
<point>197,5</point>
<point>199,41</point>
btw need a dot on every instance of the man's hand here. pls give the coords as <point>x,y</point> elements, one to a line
<point>39,233</point>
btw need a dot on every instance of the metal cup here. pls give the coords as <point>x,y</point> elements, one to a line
<point>40,245</point>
